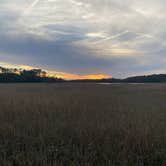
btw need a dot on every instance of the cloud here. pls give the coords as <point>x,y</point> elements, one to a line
<point>114,37</point>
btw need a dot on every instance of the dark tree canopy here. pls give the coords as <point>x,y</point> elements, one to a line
<point>22,75</point>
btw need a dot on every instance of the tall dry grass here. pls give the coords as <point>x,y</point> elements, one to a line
<point>82,125</point>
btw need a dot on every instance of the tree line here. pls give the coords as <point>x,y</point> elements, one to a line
<point>39,75</point>
<point>22,75</point>
<point>154,78</point>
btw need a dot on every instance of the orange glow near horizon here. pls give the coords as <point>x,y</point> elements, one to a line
<point>95,76</point>
<point>63,75</point>
<point>69,76</point>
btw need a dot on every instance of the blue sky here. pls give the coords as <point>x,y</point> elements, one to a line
<point>112,37</point>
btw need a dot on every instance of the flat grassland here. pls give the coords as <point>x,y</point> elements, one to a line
<point>82,125</point>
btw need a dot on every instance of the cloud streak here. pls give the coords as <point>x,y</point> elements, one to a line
<point>34,3</point>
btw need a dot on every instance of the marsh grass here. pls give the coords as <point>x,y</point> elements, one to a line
<point>82,125</point>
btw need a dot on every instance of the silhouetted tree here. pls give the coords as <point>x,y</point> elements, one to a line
<point>22,75</point>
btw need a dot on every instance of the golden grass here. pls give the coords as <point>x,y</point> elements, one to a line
<point>82,125</point>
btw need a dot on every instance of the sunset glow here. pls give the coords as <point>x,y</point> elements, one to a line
<point>64,75</point>
<point>69,76</point>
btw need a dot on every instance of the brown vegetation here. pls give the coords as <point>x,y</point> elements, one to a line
<point>82,125</point>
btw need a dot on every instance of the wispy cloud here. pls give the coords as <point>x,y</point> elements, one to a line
<point>81,36</point>
<point>30,7</point>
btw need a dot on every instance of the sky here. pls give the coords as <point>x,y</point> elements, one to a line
<point>85,38</point>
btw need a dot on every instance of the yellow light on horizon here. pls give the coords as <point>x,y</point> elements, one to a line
<point>69,76</point>
<point>58,74</point>
<point>96,76</point>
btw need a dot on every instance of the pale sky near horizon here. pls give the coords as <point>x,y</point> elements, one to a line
<point>119,38</point>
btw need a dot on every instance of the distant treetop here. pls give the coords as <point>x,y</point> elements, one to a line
<point>22,75</point>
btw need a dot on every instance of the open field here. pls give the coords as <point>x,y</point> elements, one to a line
<point>82,125</point>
